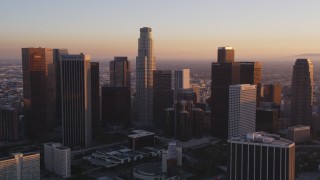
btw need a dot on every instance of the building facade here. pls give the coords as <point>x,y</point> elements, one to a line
<point>261,156</point>
<point>145,64</point>
<point>272,93</point>
<point>76,100</point>
<point>181,80</point>
<point>95,98</point>
<point>38,91</point>
<point>120,72</point>
<point>9,125</point>
<point>302,92</point>
<point>225,54</point>
<point>242,110</point>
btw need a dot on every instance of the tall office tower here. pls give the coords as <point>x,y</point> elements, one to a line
<point>145,65</point>
<point>272,93</point>
<point>76,100</point>
<point>57,159</point>
<point>56,61</point>
<point>225,54</point>
<point>261,156</point>
<point>223,75</point>
<point>95,98</point>
<point>38,90</point>
<point>162,96</point>
<point>183,121</point>
<point>302,92</point>
<point>242,110</point>
<point>20,166</point>
<point>187,95</point>
<point>251,73</point>
<point>116,103</point>
<point>120,73</point>
<point>9,128</point>
<point>181,80</point>
<point>267,120</point>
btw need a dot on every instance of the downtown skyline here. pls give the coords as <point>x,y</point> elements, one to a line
<point>182,31</point>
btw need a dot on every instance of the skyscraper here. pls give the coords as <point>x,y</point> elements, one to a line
<point>116,103</point>
<point>272,93</point>
<point>302,92</point>
<point>251,73</point>
<point>145,64</point>
<point>225,54</point>
<point>76,100</point>
<point>181,80</point>
<point>56,60</point>
<point>261,156</point>
<point>120,73</point>
<point>162,96</point>
<point>242,110</point>
<point>9,128</point>
<point>95,98</point>
<point>38,90</point>
<point>223,75</point>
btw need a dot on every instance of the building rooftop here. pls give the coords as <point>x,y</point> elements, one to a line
<point>262,138</point>
<point>140,133</point>
<point>298,127</point>
<point>226,48</point>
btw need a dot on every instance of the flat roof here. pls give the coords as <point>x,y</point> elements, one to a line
<point>140,133</point>
<point>262,138</point>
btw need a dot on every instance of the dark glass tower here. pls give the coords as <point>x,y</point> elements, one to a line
<point>95,98</point>
<point>120,73</point>
<point>162,96</point>
<point>38,91</point>
<point>302,92</point>
<point>9,128</point>
<point>272,93</point>
<point>251,73</point>
<point>225,55</point>
<point>223,75</point>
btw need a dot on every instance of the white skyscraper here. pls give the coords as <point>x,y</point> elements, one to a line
<point>181,80</point>
<point>145,65</point>
<point>242,109</point>
<point>76,100</point>
<point>57,159</point>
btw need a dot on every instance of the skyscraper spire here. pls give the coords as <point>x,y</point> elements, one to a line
<point>145,64</point>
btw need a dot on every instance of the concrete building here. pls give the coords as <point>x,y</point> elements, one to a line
<point>302,92</point>
<point>181,80</point>
<point>9,125</point>
<point>39,94</point>
<point>120,72</point>
<point>76,100</point>
<point>145,64</point>
<point>20,166</point>
<point>242,110</point>
<point>57,159</point>
<point>139,139</point>
<point>261,156</point>
<point>299,133</point>
<point>225,54</point>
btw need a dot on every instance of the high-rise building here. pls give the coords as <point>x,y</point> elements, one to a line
<point>145,64</point>
<point>76,100</point>
<point>187,95</point>
<point>120,73</point>
<point>9,128</point>
<point>261,156</point>
<point>302,92</point>
<point>95,98</point>
<point>267,120</point>
<point>38,91</point>
<point>223,75</point>
<point>162,96</point>
<point>251,73</point>
<point>181,80</point>
<point>242,110</point>
<point>57,159</point>
<point>116,103</point>
<point>225,54</point>
<point>20,166</point>
<point>56,60</point>
<point>272,93</point>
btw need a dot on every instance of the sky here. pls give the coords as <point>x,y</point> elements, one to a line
<point>182,29</point>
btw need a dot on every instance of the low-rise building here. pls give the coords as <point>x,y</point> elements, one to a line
<point>299,133</point>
